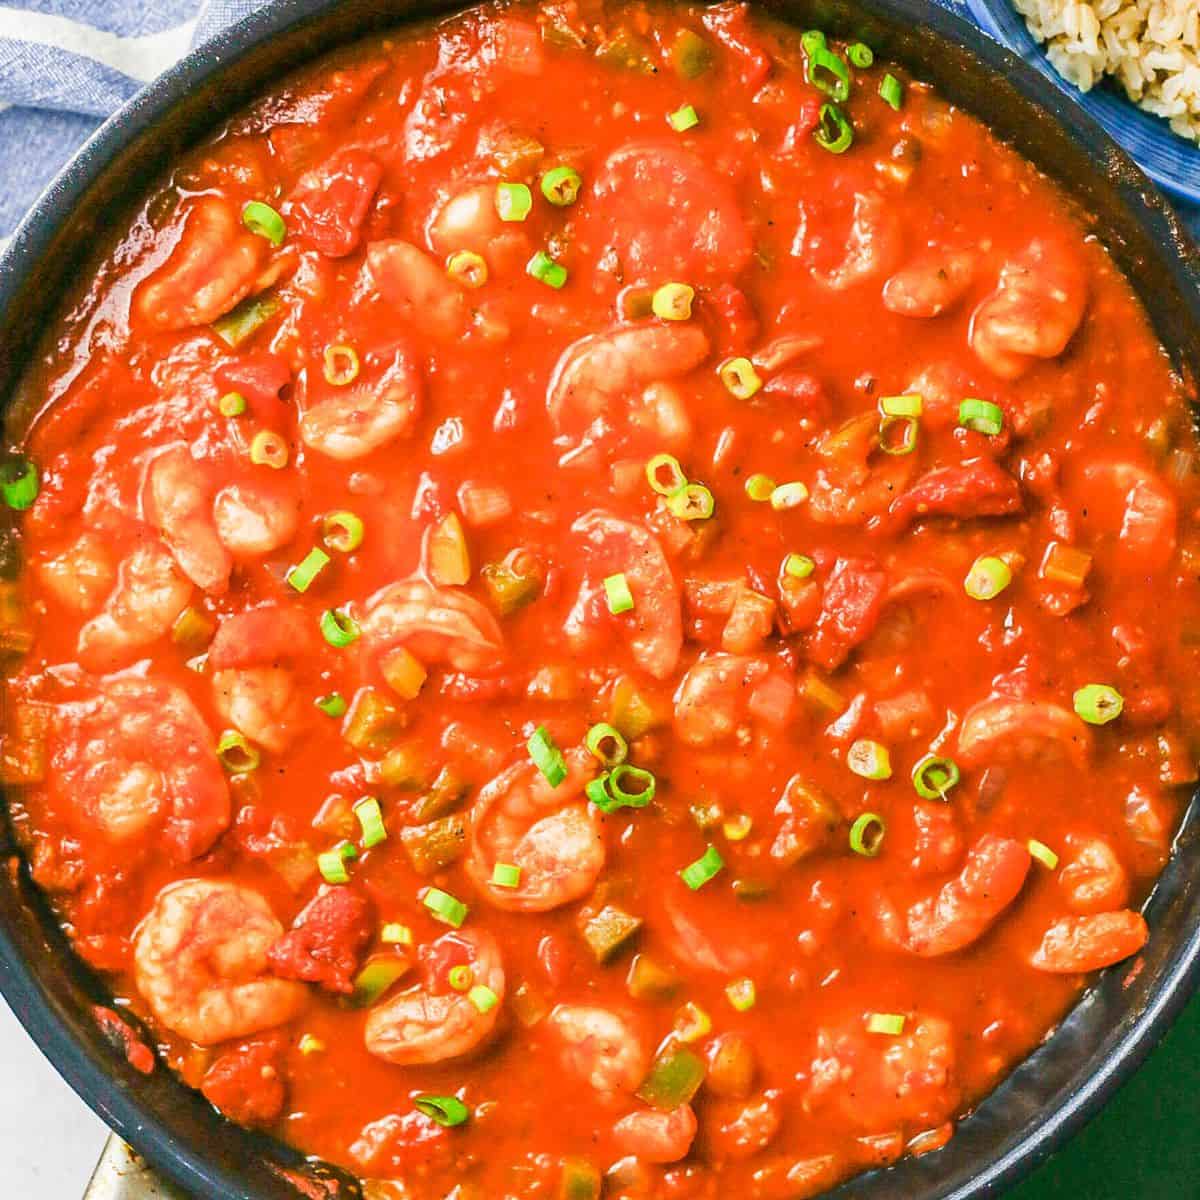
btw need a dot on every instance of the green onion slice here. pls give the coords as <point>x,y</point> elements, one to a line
<point>683,119</point>
<point>395,934</point>
<point>834,131</point>
<point>694,502</point>
<point>301,576</point>
<point>665,475</point>
<point>810,39</point>
<point>981,415</point>
<point>460,977</point>
<point>339,628</point>
<point>445,907</point>
<point>263,220</point>
<point>333,863</point>
<point>867,834</point>
<point>333,704</point>
<point>268,449</point>
<point>506,875</point>
<point>445,1110</point>
<point>370,819</point>
<point>898,435</point>
<point>19,483</point>
<point>742,994</point>
<point>561,186</point>
<point>892,91</point>
<point>1043,854</point>
<point>708,866</point>
<point>798,566</point>
<point>237,755</point>
<point>376,977</point>
<point>933,777</point>
<point>467,268</point>
<point>673,302</point>
<point>987,578</point>
<point>232,404</point>
<point>631,787</point>
<point>860,55</point>
<point>608,744</point>
<point>891,1024</point>
<point>342,531</point>
<point>760,487</point>
<point>617,594</point>
<point>829,73</point>
<point>740,378</point>
<point>910,405</point>
<point>547,757</point>
<point>869,759</point>
<point>483,998</point>
<point>544,269</point>
<point>788,495</point>
<point>513,201</point>
<point>1097,703</point>
<point>341,365</point>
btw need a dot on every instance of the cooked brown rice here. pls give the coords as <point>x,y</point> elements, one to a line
<point>1150,47</point>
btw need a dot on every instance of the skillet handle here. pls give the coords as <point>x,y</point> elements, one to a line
<point>121,1174</point>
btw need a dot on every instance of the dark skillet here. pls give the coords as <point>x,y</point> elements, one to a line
<point>1112,1028</point>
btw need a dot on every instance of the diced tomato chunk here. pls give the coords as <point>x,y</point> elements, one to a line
<point>730,24</point>
<point>853,600</point>
<point>331,202</point>
<point>325,941</point>
<point>245,1083</point>
<point>978,488</point>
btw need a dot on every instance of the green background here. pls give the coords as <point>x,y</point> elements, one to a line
<point>1145,1144</point>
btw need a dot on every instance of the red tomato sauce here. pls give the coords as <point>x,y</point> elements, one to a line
<point>351,529</point>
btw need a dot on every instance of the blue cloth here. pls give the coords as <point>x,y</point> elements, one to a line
<point>66,64</point>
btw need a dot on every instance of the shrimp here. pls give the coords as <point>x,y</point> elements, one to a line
<point>138,760</point>
<point>1093,879</point>
<point>254,686</point>
<point>932,282</point>
<point>382,404</point>
<point>700,937</point>
<point>596,371</point>
<point>149,596</point>
<point>963,909</point>
<point>612,545</point>
<point>1075,945</point>
<point>421,293</point>
<point>176,500</point>
<point>216,263</point>
<point>657,1137</point>
<point>432,1022</point>
<point>469,221</point>
<point>551,833</point>
<point>856,482</point>
<point>1034,312</point>
<point>722,690</point>
<point>1149,514</point>
<point>600,1048</point>
<point>81,575</point>
<point>1005,730</point>
<point>256,517</point>
<point>742,1128</point>
<point>872,244</point>
<point>200,962</point>
<point>438,625</point>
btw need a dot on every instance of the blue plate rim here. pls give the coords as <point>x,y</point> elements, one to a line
<point>1114,112</point>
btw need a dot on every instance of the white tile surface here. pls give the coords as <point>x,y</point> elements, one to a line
<point>49,1139</point>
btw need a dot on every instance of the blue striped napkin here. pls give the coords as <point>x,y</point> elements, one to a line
<point>66,64</point>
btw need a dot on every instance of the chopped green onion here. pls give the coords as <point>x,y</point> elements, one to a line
<point>1043,854</point>
<point>483,998</point>
<point>869,759</point>
<point>788,495</point>
<point>341,365</point>
<point>617,594</point>
<point>740,378</point>
<point>683,119</point>
<point>737,828</point>
<point>867,834</point>
<point>673,302</point>
<point>513,201</point>
<point>268,449</point>
<point>332,705</point>
<point>370,819</point>
<point>692,503</point>
<point>1097,703</point>
<point>547,757</point>
<point>898,435</point>
<point>445,907</point>
<point>860,55</point>
<point>933,777</point>
<point>910,405</point>
<point>237,755</point>
<point>597,792</point>
<point>342,531</point>
<point>641,789</point>
<point>376,978</point>
<point>760,487</point>
<point>706,867</point>
<point>665,475</point>
<point>561,185</point>
<point>798,566</point>
<point>339,628</point>
<point>461,977</point>
<point>310,566</point>
<point>395,934</point>
<point>246,319</point>
<point>892,91</point>
<point>608,744</point>
<point>332,863</point>
<point>834,131</point>
<point>742,994</point>
<point>263,220</point>
<point>987,578</point>
<point>447,1111</point>
<point>506,875</point>
<point>829,73</point>
<point>468,268</point>
<point>981,415</point>
<point>544,269</point>
<point>232,404</point>
<point>891,1024</point>
<point>19,483</point>
<point>811,39</point>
